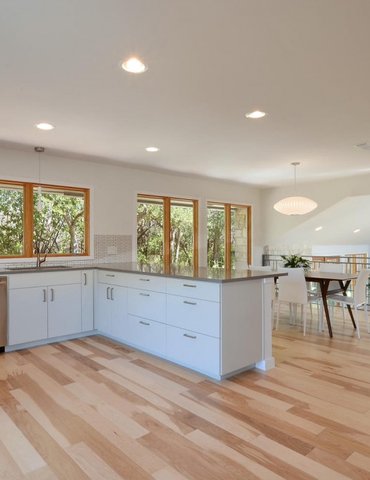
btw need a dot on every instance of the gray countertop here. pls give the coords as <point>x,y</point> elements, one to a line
<point>219,275</point>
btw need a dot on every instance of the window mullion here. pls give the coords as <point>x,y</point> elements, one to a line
<point>167,232</point>
<point>28,220</point>
<point>227,236</point>
<point>195,235</point>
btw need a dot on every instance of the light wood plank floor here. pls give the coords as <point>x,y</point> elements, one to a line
<point>92,409</point>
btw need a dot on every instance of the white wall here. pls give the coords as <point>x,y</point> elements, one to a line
<point>115,188</point>
<point>342,206</point>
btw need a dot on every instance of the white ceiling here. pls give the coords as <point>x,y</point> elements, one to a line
<point>338,223</point>
<point>304,62</point>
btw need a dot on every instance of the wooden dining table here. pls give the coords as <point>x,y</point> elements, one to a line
<point>324,279</point>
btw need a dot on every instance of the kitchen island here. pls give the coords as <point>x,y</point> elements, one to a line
<point>214,321</point>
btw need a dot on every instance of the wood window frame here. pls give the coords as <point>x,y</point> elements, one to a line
<point>227,208</point>
<point>167,226</point>
<point>28,210</point>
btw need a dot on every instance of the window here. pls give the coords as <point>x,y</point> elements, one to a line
<point>44,218</point>
<point>167,230</point>
<point>229,235</point>
<point>11,220</point>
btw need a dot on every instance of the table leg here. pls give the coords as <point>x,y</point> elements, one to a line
<point>324,285</point>
<point>344,288</point>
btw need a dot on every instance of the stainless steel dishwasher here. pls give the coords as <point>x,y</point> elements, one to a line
<point>3,313</point>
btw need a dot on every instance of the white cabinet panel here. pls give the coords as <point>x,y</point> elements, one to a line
<point>199,316</point>
<point>113,278</point>
<point>188,288</point>
<point>38,279</point>
<point>64,310</point>
<point>28,312</point>
<point>87,300</point>
<point>194,350</point>
<point>147,282</point>
<point>111,310</point>
<point>103,309</point>
<point>147,334</point>
<point>118,305</point>
<point>147,304</point>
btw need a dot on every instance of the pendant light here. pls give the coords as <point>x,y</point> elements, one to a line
<point>295,205</point>
<point>39,150</point>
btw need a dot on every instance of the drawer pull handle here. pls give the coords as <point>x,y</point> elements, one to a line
<point>190,336</point>
<point>144,323</point>
<point>109,275</point>
<point>189,303</point>
<point>145,294</point>
<point>144,279</point>
<point>189,285</point>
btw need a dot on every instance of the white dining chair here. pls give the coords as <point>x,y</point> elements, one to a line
<point>334,286</point>
<point>359,299</point>
<point>292,289</point>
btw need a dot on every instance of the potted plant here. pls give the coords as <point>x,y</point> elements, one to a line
<point>296,261</point>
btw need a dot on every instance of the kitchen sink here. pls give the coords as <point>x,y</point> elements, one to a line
<point>37,269</point>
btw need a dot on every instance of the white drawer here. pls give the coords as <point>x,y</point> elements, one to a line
<point>113,278</point>
<point>189,288</point>
<point>147,304</point>
<point>38,279</point>
<point>194,350</point>
<point>193,314</point>
<point>147,282</point>
<point>146,334</point>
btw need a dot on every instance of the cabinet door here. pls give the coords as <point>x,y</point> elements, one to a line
<point>194,350</point>
<point>27,315</point>
<point>118,327</point>
<point>146,304</point>
<point>103,308</point>
<point>147,334</point>
<point>64,310</point>
<point>87,300</point>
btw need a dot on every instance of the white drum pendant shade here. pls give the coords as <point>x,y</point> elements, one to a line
<point>295,206</point>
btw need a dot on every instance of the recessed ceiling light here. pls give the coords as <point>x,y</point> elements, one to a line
<point>356,230</point>
<point>255,114</point>
<point>134,65</point>
<point>317,229</point>
<point>152,149</point>
<point>45,126</point>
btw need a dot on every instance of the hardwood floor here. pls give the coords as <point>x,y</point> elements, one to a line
<point>92,409</point>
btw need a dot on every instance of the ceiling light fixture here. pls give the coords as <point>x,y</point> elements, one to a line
<point>134,65</point>
<point>152,149</point>
<point>295,205</point>
<point>45,126</point>
<point>317,229</point>
<point>255,114</point>
<point>356,230</point>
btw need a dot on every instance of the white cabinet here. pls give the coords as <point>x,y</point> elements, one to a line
<point>194,289</point>
<point>87,300</point>
<point>147,304</point>
<point>194,350</point>
<point>193,325</point>
<point>64,310</point>
<point>28,315</point>
<point>199,316</point>
<point>44,305</point>
<point>146,334</point>
<point>111,310</point>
